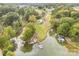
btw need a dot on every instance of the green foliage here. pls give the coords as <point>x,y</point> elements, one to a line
<point>17,26</point>
<point>67,20</point>
<point>9,31</point>
<point>63,29</point>
<point>21,11</point>
<point>40,7</point>
<point>9,47</point>
<point>41,31</point>
<point>27,47</point>
<point>27,35</point>
<point>32,18</point>
<point>3,41</point>
<point>5,9</point>
<point>74,32</point>
<point>10,18</point>
<point>54,23</point>
<point>75,14</point>
<point>30,11</point>
<point>9,53</point>
<point>64,21</point>
<point>63,13</point>
<point>28,32</point>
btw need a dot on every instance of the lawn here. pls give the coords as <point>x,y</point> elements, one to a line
<point>42,31</point>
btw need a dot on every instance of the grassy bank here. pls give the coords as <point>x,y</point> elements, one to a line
<point>42,29</point>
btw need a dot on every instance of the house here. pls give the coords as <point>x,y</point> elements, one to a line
<point>40,21</point>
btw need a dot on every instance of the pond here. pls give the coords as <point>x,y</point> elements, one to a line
<point>50,48</point>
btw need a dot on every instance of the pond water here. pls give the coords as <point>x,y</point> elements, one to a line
<point>50,48</point>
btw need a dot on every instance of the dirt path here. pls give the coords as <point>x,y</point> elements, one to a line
<point>71,46</point>
<point>1,52</point>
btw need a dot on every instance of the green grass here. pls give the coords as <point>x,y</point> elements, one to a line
<point>77,44</point>
<point>41,30</point>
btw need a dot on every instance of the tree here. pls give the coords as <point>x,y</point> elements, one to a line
<point>27,47</point>
<point>63,13</point>
<point>54,23</point>
<point>74,32</point>
<point>67,20</point>
<point>27,35</point>
<point>28,32</point>
<point>32,18</point>
<point>5,9</point>
<point>21,11</point>
<point>9,53</point>
<point>75,14</point>
<point>30,11</point>
<point>3,41</point>
<point>17,26</point>
<point>9,31</point>
<point>10,18</point>
<point>63,29</point>
<point>9,47</point>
